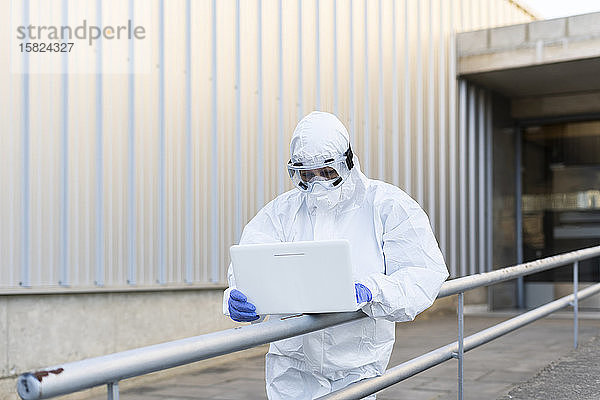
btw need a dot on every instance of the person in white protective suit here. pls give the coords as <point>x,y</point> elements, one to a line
<point>396,261</point>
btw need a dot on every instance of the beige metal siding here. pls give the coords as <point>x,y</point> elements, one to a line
<point>57,197</point>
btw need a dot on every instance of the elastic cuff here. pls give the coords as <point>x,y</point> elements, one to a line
<point>226,300</point>
<point>371,284</point>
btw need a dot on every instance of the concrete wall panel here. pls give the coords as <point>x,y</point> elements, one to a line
<point>48,330</point>
<point>473,42</point>
<point>508,36</point>
<point>146,319</point>
<point>53,329</point>
<point>533,43</point>
<point>584,25</point>
<point>547,30</point>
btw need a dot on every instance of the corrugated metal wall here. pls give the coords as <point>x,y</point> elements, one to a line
<point>145,178</point>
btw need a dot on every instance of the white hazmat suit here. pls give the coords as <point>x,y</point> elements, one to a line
<point>393,251</point>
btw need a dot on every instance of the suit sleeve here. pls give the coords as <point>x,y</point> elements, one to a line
<point>414,266</point>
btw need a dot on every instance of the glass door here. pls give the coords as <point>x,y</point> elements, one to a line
<point>561,195</point>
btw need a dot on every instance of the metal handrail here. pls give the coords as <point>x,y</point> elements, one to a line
<point>79,375</point>
<point>416,365</point>
<point>455,286</point>
<point>110,369</point>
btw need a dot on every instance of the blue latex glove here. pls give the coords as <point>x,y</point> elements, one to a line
<point>239,308</point>
<point>363,294</point>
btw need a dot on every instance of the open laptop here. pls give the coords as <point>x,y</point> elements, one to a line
<point>295,277</point>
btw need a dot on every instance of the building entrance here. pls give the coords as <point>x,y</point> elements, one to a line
<point>561,195</point>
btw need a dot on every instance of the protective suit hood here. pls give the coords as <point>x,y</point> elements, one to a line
<point>320,136</point>
<point>317,137</point>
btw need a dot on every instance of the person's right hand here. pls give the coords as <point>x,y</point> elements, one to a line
<point>363,294</point>
<point>240,309</point>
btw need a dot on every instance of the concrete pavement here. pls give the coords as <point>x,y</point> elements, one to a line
<point>491,371</point>
<point>575,376</point>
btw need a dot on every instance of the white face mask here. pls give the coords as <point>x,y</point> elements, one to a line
<point>322,198</point>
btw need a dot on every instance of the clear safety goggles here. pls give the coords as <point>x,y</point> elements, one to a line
<point>330,174</point>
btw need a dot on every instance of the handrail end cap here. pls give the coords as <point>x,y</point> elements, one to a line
<point>29,387</point>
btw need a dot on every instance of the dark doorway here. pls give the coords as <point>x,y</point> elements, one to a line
<point>561,195</point>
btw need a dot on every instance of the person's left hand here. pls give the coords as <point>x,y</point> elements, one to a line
<point>363,294</point>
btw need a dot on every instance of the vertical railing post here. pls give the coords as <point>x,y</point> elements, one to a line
<point>575,303</point>
<point>519,213</point>
<point>113,391</point>
<point>461,297</point>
